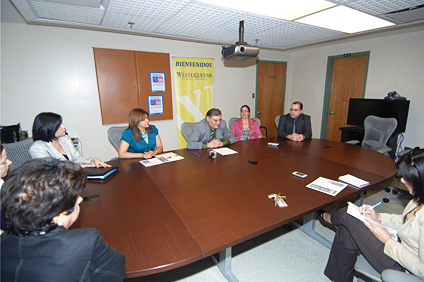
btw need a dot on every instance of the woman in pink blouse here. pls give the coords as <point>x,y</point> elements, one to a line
<point>245,128</point>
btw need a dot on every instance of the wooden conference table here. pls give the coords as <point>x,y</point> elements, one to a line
<point>170,215</point>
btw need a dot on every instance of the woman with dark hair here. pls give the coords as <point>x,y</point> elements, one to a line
<point>374,241</point>
<point>39,202</point>
<point>245,128</point>
<point>140,139</point>
<point>4,164</point>
<point>50,140</point>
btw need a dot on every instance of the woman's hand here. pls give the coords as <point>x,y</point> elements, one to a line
<point>149,154</point>
<point>100,163</point>
<point>369,212</point>
<point>379,232</point>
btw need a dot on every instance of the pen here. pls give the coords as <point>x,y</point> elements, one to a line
<point>373,207</point>
<point>196,155</point>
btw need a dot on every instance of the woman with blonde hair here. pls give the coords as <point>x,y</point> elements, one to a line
<point>140,139</point>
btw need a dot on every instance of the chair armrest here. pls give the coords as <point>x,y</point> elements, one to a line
<point>390,275</point>
<point>384,150</point>
<point>353,142</point>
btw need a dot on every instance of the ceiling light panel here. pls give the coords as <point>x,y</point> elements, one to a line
<point>344,19</point>
<point>282,9</point>
<point>66,12</point>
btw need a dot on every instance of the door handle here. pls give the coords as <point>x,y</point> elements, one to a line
<point>259,112</point>
<point>331,113</point>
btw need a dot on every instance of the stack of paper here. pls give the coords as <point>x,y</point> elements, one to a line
<point>353,210</point>
<point>355,181</point>
<point>327,186</point>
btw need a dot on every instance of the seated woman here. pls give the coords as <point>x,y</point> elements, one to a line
<point>245,128</point>
<point>4,164</point>
<point>378,247</point>
<point>140,139</point>
<point>50,140</point>
<point>39,202</point>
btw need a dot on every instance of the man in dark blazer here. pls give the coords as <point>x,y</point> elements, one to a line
<point>295,125</point>
<point>211,132</point>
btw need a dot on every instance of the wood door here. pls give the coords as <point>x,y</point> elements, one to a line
<point>270,93</point>
<point>348,79</point>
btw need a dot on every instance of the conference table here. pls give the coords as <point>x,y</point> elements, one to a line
<point>170,215</point>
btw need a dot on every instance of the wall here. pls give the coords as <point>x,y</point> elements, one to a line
<point>396,63</point>
<point>52,69</point>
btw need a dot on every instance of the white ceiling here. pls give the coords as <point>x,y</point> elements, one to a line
<point>199,22</point>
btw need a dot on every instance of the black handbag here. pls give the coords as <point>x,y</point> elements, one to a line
<point>10,133</point>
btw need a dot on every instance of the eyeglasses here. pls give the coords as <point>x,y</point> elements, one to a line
<point>245,111</point>
<point>412,158</point>
<point>216,120</point>
<point>294,110</point>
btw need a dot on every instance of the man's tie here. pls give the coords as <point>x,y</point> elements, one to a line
<point>294,126</point>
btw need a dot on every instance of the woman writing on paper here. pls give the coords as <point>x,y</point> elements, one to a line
<point>245,128</point>
<point>50,140</point>
<point>140,139</point>
<point>378,247</point>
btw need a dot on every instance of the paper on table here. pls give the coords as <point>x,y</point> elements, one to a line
<point>327,186</point>
<point>161,159</point>
<point>353,210</point>
<point>353,180</point>
<point>225,151</point>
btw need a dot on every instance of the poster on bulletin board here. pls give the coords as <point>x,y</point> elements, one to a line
<point>157,82</point>
<point>155,104</point>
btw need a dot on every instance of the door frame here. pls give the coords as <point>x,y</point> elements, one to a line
<point>257,75</point>
<point>328,80</point>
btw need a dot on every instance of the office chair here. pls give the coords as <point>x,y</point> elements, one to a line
<point>277,121</point>
<point>18,152</point>
<point>377,132</point>
<point>363,267</point>
<point>187,128</point>
<point>114,134</point>
<point>257,120</point>
<point>391,275</point>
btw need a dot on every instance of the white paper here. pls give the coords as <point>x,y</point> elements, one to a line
<point>327,186</point>
<point>161,159</point>
<point>353,180</point>
<point>225,151</point>
<point>353,210</point>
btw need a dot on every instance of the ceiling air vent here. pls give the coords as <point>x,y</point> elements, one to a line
<point>407,15</point>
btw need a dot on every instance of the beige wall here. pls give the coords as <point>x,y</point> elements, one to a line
<point>52,69</point>
<point>396,63</point>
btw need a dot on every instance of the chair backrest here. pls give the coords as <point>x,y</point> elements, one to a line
<point>18,152</point>
<point>277,120</point>
<point>230,123</point>
<point>187,128</point>
<point>114,134</point>
<point>377,131</point>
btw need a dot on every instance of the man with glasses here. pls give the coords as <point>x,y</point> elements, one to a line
<point>211,132</point>
<point>295,125</point>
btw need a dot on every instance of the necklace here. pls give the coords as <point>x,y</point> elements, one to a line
<point>144,135</point>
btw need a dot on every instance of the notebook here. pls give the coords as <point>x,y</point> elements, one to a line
<point>99,172</point>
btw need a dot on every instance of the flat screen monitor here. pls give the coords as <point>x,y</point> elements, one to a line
<point>359,109</point>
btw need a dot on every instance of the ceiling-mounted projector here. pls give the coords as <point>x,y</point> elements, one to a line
<point>241,50</point>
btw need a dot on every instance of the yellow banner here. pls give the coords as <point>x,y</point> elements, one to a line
<point>193,91</point>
